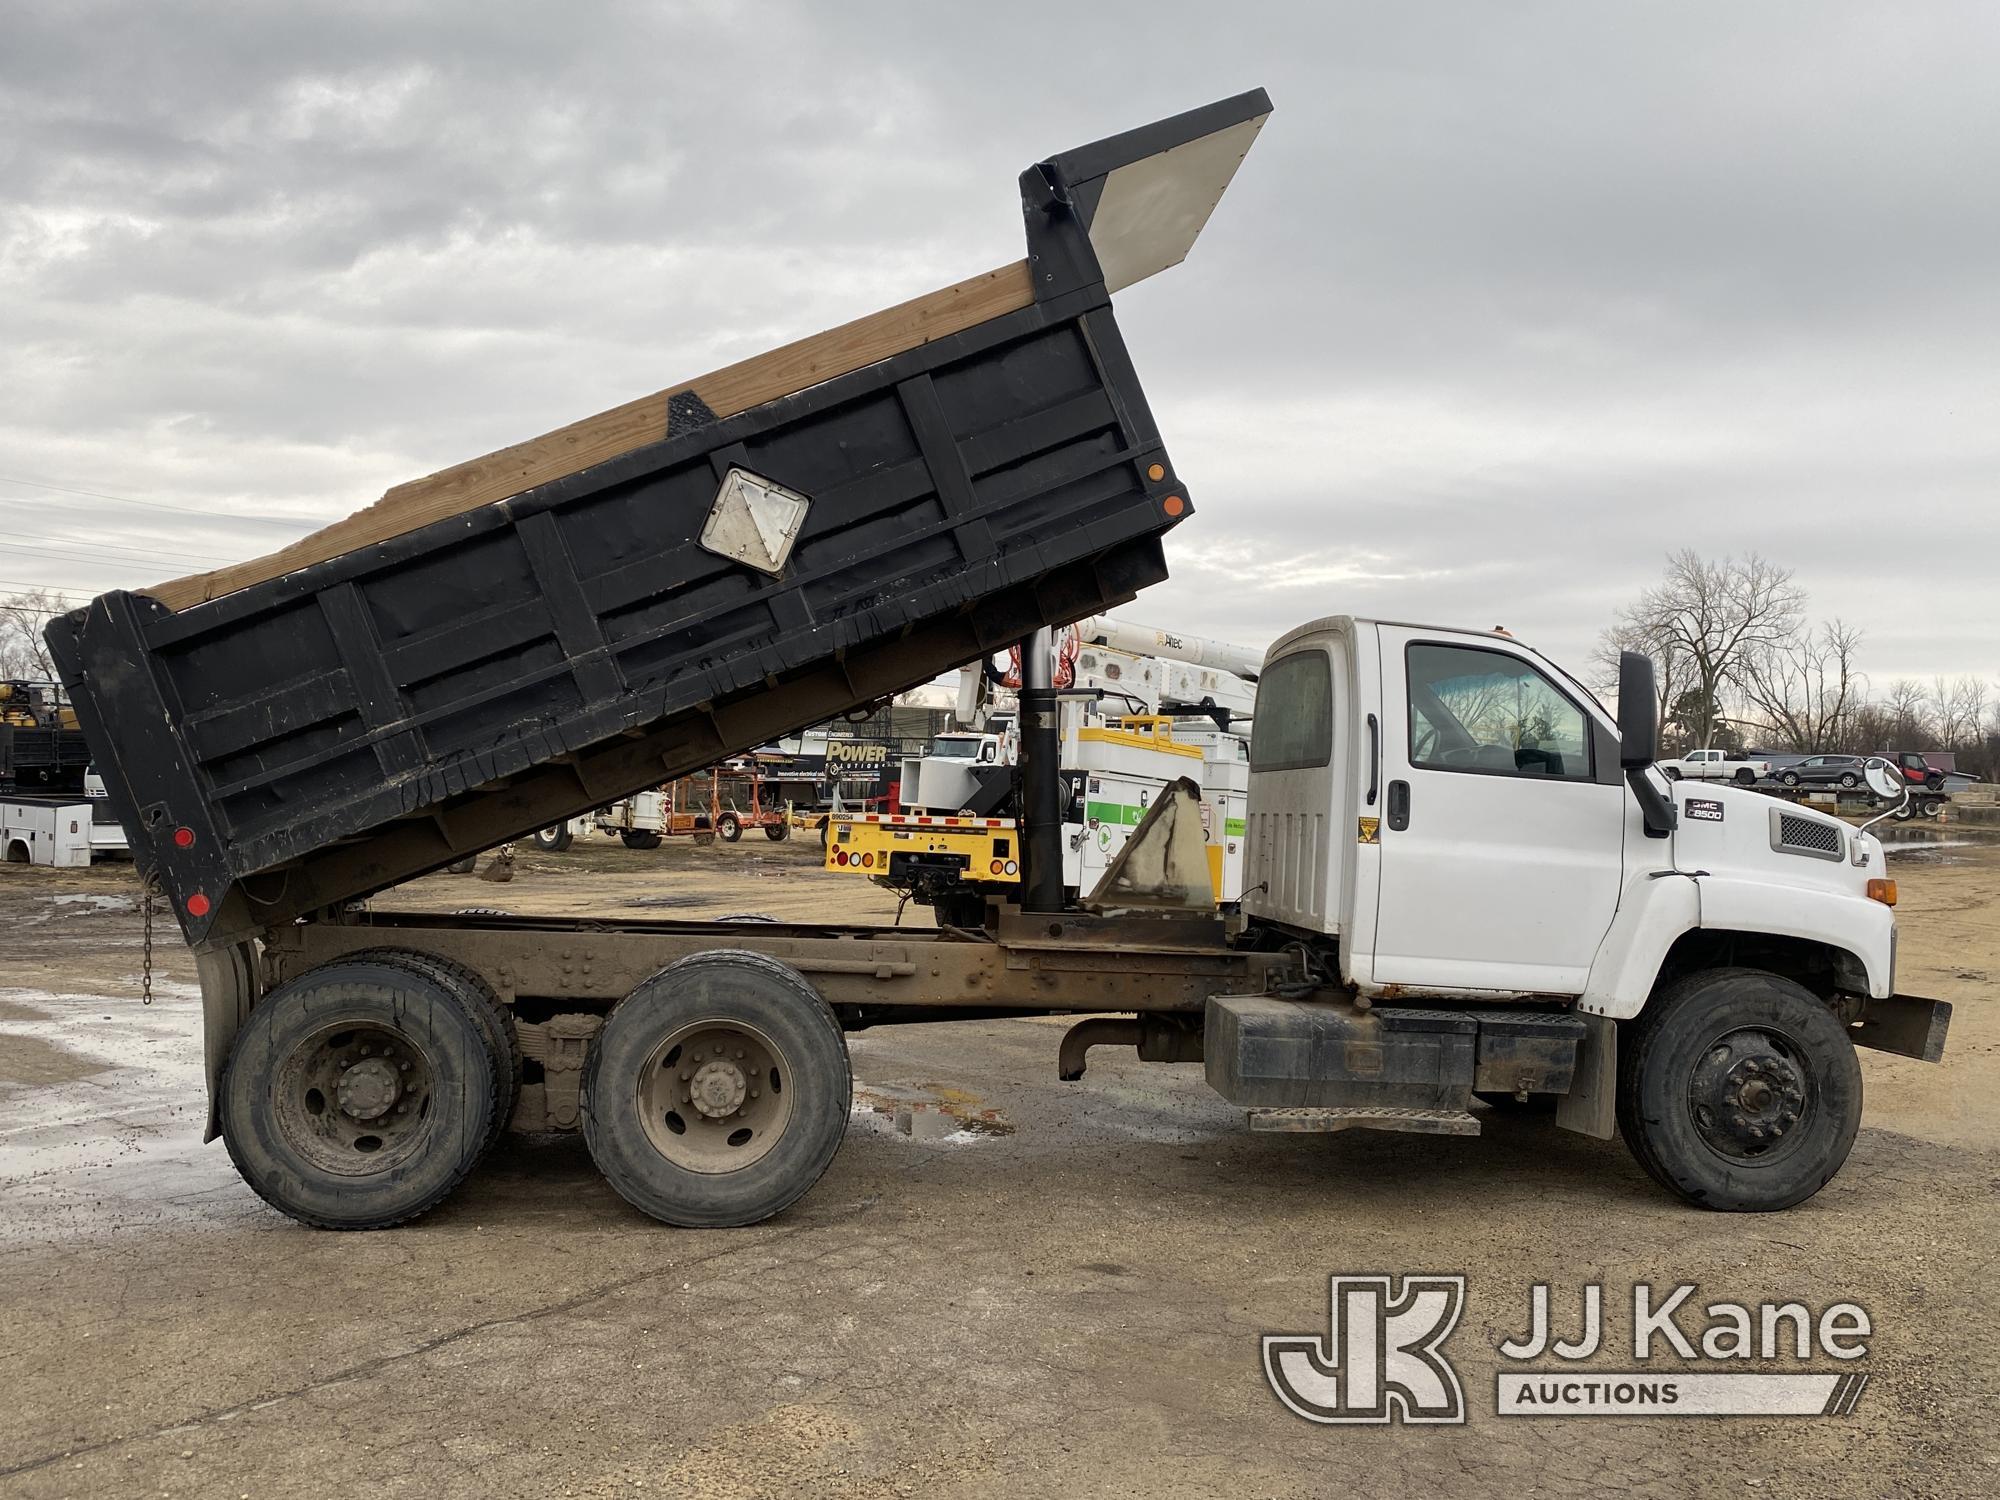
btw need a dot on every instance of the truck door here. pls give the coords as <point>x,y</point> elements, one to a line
<point>1502,831</point>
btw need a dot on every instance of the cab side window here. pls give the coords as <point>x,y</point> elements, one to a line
<point>1490,713</point>
<point>1292,727</point>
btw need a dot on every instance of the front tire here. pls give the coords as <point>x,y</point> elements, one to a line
<point>358,1095</point>
<point>1849,780</point>
<point>777,833</point>
<point>718,1091</point>
<point>554,839</point>
<point>729,828</point>
<point>1673,773</point>
<point>640,838</point>
<point>1738,1090</point>
<point>1790,778</point>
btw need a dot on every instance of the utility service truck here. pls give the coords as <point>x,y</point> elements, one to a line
<point>1129,724</point>
<point>1462,876</point>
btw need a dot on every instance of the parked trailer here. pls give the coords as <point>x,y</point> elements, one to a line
<point>1461,875</point>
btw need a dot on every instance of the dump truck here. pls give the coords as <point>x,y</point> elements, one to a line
<point>1463,877</point>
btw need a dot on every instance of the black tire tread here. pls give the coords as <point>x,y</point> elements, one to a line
<point>238,1057</point>
<point>495,1019</point>
<point>1637,1040</point>
<point>811,1004</point>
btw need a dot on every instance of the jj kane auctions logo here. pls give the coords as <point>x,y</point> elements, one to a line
<point>1383,1358</point>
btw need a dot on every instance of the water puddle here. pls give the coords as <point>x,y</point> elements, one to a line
<point>102,1105</point>
<point>1932,851</point>
<point>927,1112</point>
<point>94,903</point>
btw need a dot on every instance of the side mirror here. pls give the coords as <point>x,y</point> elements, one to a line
<point>1885,781</point>
<point>1638,712</point>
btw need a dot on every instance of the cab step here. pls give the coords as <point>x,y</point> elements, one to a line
<point>1324,1119</point>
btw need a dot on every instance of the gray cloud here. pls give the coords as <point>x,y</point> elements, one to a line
<point>1507,302</point>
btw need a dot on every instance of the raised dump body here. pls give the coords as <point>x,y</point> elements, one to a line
<point>534,634</point>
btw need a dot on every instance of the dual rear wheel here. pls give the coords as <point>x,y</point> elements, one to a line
<point>358,1095</point>
<point>718,1091</point>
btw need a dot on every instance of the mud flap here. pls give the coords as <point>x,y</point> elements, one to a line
<point>1907,1025</point>
<point>1591,1105</point>
<point>228,990</point>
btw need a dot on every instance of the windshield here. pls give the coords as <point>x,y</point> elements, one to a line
<point>963,746</point>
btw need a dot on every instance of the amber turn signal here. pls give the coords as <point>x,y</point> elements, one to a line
<point>1883,891</point>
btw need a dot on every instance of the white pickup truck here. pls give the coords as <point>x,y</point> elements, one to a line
<point>1716,765</point>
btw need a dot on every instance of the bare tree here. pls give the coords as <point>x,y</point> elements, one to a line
<point>1632,635</point>
<point>1958,707</point>
<point>23,652</point>
<point>1807,686</point>
<point>1907,715</point>
<point>1714,617</point>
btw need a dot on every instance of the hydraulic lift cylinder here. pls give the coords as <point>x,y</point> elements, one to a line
<point>1041,777</point>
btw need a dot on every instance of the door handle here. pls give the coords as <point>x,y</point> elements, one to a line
<point>1374,758</point>
<point>1399,805</point>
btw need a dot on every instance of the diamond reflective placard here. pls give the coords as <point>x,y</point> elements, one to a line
<point>754,521</point>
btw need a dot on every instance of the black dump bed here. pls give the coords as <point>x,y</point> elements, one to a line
<point>313,736</point>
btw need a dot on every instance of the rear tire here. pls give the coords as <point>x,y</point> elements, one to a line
<point>1746,778</point>
<point>358,1095</point>
<point>495,1020</point>
<point>737,1138</point>
<point>463,866</point>
<point>777,833</point>
<point>554,839</point>
<point>1738,1090</point>
<point>729,828</point>
<point>640,838</point>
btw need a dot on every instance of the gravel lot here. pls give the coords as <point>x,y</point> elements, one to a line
<point>1037,1288</point>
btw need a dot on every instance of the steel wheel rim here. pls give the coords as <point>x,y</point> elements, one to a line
<point>1751,1096</point>
<point>354,1098</point>
<point>715,1096</point>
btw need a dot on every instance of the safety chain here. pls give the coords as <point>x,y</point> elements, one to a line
<point>148,887</point>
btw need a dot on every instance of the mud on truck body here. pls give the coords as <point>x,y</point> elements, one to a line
<point>1439,902</point>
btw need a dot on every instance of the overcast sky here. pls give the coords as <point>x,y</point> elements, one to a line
<point>1507,301</point>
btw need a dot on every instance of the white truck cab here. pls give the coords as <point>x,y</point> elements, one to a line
<point>1451,820</point>
<point>1489,841</point>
